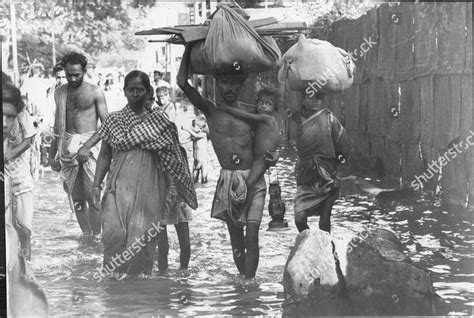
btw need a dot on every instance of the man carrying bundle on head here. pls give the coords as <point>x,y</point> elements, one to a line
<point>232,140</point>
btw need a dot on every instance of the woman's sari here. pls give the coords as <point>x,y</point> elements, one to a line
<point>143,153</point>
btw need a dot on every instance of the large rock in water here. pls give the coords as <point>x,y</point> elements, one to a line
<point>364,274</point>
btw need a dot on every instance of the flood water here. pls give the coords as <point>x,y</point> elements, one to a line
<point>435,237</point>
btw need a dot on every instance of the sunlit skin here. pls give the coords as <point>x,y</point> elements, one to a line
<point>85,105</point>
<point>229,136</point>
<point>232,140</point>
<point>267,133</point>
<point>82,114</point>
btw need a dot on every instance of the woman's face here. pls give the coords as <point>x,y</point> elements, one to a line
<point>9,115</point>
<point>136,93</point>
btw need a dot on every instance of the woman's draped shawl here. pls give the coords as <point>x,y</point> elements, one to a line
<point>124,130</point>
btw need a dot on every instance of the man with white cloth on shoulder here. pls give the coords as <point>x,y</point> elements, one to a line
<point>79,106</point>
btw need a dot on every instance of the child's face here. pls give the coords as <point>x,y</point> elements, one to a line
<point>9,115</point>
<point>162,98</point>
<point>311,105</point>
<point>265,104</point>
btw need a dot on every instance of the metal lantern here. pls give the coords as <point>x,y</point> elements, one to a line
<point>276,208</point>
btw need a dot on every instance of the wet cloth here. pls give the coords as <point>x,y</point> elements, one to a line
<point>18,180</point>
<point>124,130</point>
<point>319,139</point>
<point>231,192</point>
<point>320,182</point>
<point>18,207</point>
<point>25,296</point>
<point>179,212</point>
<point>133,199</point>
<point>70,166</point>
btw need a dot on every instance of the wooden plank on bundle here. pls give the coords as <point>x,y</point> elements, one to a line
<point>162,31</point>
<point>264,27</point>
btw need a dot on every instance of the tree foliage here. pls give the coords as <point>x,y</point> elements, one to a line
<point>90,27</point>
<point>249,3</point>
<point>321,15</point>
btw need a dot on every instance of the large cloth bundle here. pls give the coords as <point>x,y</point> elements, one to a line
<point>233,45</point>
<point>315,66</point>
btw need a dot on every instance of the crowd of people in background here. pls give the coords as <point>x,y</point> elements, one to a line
<point>37,87</point>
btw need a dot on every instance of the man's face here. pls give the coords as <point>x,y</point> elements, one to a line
<point>156,77</point>
<point>229,89</point>
<point>9,115</point>
<point>74,74</point>
<point>60,78</point>
<point>162,98</point>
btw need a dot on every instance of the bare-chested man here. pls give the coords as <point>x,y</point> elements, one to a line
<point>232,140</point>
<point>79,106</point>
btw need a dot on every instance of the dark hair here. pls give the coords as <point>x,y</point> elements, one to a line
<point>12,95</point>
<point>138,74</point>
<point>58,68</point>
<point>158,72</point>
<point>6,78</point>
<point>162,89</point>
<point>267,91</point>
<point>74,58</point>
<point>239,76</point>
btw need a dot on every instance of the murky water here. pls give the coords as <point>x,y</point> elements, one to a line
<point>435,237</point>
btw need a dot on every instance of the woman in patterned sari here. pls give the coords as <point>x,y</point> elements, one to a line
<point>147,170</point>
